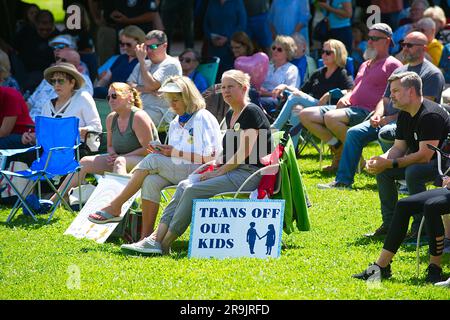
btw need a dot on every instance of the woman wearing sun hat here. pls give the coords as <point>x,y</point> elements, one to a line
<point>71,102</point>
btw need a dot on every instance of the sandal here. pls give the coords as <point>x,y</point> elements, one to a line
<point>102,217</point>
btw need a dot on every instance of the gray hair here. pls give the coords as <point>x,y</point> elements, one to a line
<point>427,23</point>
<point>408,79</point>
<point>158,35</point>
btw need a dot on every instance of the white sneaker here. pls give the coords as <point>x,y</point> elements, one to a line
<point>443,283</point>
<point>147,245</point>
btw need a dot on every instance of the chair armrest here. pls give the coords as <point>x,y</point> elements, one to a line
<point>12,152</point>
<point>270,169</point>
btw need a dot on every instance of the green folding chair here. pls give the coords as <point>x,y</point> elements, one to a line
<point>209,70</point>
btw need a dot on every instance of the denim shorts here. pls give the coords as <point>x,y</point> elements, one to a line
<point>355,115</point>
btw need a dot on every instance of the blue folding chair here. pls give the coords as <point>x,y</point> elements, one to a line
<point>59,140</point>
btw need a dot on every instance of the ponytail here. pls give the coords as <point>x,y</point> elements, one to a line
<point>137,102</point>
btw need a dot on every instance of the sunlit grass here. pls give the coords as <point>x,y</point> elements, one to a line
<point>38,261</point>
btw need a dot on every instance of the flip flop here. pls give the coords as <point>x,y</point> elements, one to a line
<point>103,217</point>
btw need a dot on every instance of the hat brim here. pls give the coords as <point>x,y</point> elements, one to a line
<point>170,88</point>
<point>73,72</point>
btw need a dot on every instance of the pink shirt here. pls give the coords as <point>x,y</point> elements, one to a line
<point>370,82</point>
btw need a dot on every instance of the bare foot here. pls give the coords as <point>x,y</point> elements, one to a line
<point>111,210</point>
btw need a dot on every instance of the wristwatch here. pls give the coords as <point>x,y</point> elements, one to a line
<point>394,163</point>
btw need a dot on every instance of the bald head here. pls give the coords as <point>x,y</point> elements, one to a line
<point>69,55</point>
<point>416,37</point>
<point>414,48</point>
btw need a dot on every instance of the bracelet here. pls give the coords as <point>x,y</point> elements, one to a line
<point>394,163</point>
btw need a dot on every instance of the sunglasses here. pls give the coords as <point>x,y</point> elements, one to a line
<point>61,60</point>
<point>409,45</point>
<point>59,46</point>
<point>187,60</point>
<point>125,44</point>
<point>375,38</point>
<point>111,96</point>
<point>327,52</point>
<point>59,81</point>
<point>154,46</point>
<point>279,49</point>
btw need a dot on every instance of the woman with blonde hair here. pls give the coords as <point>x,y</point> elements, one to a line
<point>194,138</point>
<point>438,15</point>
<point>316,90</point>
<point>281,71</point>
<point>120,70</point>
<point>129,131</point>
<point>246,141</point>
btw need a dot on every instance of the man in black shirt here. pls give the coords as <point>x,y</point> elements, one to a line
<point>420,122</point>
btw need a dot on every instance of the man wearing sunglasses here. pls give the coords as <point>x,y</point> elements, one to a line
<point>331,122</point>
<point>149,74</point>
<point>382,124</point>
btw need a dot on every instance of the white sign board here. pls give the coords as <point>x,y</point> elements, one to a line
<point>107,189</point>
<point>236,228</point>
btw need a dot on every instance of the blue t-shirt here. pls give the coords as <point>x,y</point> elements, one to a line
<point>199,80</point>
<point>122,68</point>
<point>335,20</point>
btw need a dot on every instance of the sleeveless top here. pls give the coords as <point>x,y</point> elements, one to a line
<point>125,142</point>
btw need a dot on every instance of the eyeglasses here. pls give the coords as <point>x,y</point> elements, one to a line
<point>279,49</point>
<point>111,96</point>
<point>61,60</point>
<point>59,81</point>
<point>59,46</point>
<point>409,45</point>
<point>187,60</point>
<point>125,44</point>
<point>327,52</point>
<point>154,46</point>
<point>375,38</point>
<point>236,47</point>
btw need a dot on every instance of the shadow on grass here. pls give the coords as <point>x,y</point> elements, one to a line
<point>363,241</point>
<point>28,223</point>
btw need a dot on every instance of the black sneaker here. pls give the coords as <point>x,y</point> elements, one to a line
<point>434,274</point>
<point>374,272</point>
<point>381,231</point>
<point>334,185</point>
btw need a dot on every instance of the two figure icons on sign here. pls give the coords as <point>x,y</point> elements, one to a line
<point>252,234</point>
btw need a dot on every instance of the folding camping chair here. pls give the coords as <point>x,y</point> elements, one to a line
<point>59,139</point>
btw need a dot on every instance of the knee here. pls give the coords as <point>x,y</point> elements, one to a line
<point>120,162</point>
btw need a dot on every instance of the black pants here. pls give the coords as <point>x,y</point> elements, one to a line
<point>433,204</point>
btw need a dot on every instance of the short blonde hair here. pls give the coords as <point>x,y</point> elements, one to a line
<point>340,52</point>
<point>288,44</point>
<point>5,66</point>
<point>436,13</point>
<point>192,98</point>
<point>243,79</point>
<point>123,87</point>
<point>133,32</point>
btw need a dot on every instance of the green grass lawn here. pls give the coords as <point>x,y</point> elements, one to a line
<point>38,262</point>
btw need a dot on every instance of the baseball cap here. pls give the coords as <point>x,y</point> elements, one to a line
<point>63,39</point>
<point>384,28</point>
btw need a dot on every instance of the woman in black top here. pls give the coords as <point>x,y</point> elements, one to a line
<point>247,140</point>
<point>316,90</point>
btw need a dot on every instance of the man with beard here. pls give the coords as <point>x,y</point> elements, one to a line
<point>382,124</point>
<point>330,122</point>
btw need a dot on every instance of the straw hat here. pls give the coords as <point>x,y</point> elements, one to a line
<point>68,68</point>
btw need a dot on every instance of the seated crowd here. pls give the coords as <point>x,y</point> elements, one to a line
<point>396,97</point>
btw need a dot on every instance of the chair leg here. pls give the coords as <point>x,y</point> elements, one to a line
<point>20,199</point>
<point>418,245</point>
